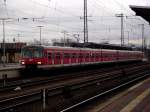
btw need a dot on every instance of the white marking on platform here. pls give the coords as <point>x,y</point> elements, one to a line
<point>136,101</point>
<point>137,85</point>
<point>104,105</point>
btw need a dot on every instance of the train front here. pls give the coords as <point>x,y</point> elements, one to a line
<point>31,56</point>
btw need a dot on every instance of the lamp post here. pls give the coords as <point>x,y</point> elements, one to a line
<point>64,32</point>
<point>143,39</point>
<point>128,37</point>
<point>40,34</point>
<point>85,23</point>
<point>122,28</point>
<point>4,47</point>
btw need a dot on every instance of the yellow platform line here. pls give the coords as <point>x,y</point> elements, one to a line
<point>136,101</point>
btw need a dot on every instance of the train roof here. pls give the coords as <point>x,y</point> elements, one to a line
<point>76,48</point>
<point>95,45</point>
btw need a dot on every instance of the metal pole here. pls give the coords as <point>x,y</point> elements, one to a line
<point>4,77</point>
<point>122,30</point>
<point>40,34</point>
<point>143,40</point>
<point>64,32</point>
<point>4,52</point>
<point>64,37</point>
<point>128,37</point>
<point>85,22</point>
<point>44,98</point>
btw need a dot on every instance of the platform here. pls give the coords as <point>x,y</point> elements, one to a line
<point>10,66</point>
<point>11,70</point>
<point>134,99</point>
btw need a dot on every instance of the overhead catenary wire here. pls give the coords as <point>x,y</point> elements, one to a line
<point>97,19</point>
<point>55,9</point>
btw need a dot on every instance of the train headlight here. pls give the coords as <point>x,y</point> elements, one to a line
<point>22,62</point>
<point>39,63</point>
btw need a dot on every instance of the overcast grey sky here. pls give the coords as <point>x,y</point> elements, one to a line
<point>59,15</point>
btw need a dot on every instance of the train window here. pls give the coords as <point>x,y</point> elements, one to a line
<point>53,55</point>
<point>81,55</point>
<point>66,55</point>
<point>49,55</point>
<point>105,55</point>
<point>92,55</point>
<point>108,55</point>
<point>57,55</point>
<point>97,55</point>
<point>45,55</point>
<point>74,55</point>
<point>30,52</point>
<point>87,56</point>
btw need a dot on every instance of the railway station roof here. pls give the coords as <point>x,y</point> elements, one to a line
<point>143,11</point>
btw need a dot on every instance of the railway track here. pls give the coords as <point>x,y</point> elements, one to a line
<point>64,85</point>
<point>11,85</point>
<point>74,107</point>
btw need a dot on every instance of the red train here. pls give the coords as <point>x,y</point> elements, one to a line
<point>44,56</point>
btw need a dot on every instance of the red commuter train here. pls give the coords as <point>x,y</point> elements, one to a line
<point>51,56</point>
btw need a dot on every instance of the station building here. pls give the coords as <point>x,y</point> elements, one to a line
<point>12,52</point>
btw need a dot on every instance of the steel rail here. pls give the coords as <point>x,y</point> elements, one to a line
<point>27,96</point>
<point>79,83</point>
<point>103,93</point>
<point>21,82</point>
<point>28,82</point>
<point>44,80</point>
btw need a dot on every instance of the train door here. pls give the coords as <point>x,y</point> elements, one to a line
<point>100,56</point>
<point>73,58</point>
<point>103,56</point>
<point>66,58</point>
<point>50,58</point>
<point>92,57</point>
<point>97,57</point>
<point>77,57</point>
<point>57,58</point>
<point>112,56</point>
<point>117,55</point>
<point>86,57</point>
<point>107,56</point>
<point>83,57</point>
<point>80,57</point>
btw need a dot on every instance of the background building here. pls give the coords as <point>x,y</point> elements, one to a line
<point>13,51</point>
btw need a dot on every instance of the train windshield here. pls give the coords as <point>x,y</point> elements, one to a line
<point>32,52</point>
